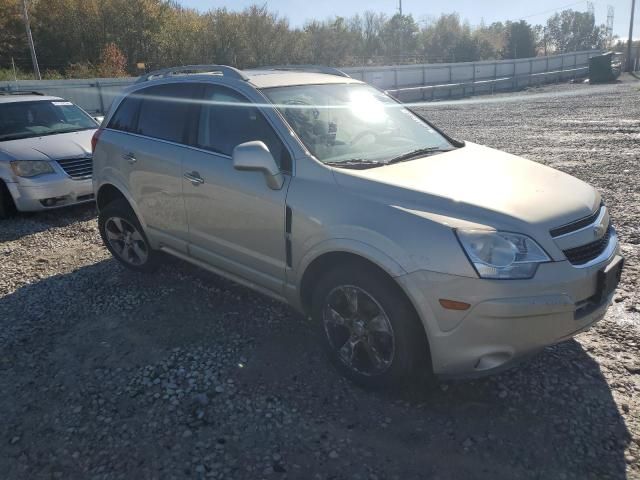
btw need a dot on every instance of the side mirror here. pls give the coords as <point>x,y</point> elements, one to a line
<point>256,157</point>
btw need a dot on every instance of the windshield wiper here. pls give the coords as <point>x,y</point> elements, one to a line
<point>420,152</point>
<point>356,163</point>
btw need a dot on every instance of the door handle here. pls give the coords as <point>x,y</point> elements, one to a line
<point>130,157</point>
<point>194,178</point>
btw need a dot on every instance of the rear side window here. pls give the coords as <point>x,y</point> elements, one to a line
<point>126,115</point>
<point>228,119</point>
<point>164,111</point>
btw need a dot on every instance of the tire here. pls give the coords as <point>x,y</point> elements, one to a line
<point>124,237</point>
<point>382,342</point>
<point>7,206</point>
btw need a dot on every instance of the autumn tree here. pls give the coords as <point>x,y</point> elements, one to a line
<point>113,63</point>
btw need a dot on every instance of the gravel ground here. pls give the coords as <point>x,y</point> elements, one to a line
<point>106,373</point>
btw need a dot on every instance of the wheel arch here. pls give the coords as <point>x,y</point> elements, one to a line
<point>328,260</point>
<point>108,193</point>
<point>325,261</point>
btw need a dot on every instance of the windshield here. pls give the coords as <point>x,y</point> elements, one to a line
<point>343,123</point>
<point>42,117</point>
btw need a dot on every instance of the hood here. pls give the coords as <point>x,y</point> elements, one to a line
<point>479,185</point>
<point>49,147</point>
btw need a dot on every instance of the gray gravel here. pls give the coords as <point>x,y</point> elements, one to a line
<point>107,374</point>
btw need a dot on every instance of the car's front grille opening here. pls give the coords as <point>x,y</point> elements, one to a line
<point>577,225</point>
<point>585,253</point>
<point>77,168</point>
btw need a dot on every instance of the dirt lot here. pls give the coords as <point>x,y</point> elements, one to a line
<point>109,374</point>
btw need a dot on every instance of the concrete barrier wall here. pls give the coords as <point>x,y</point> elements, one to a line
<point>94,95</point>
<point>440,80</point>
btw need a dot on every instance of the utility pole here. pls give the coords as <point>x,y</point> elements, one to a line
<point>400,7</point>
<point>629,49</point>
<point>27,26</point>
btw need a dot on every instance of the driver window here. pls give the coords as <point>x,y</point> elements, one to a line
<point>228,119</point>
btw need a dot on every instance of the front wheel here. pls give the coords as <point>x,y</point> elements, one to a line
<point>369,328</point>
<point>124,237</point>
<point>7,206</point>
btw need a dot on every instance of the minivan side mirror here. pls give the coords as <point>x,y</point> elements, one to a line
<point>256,157</point>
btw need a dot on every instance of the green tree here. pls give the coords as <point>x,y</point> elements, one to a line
<point>571,31</point>
<point>399,36</point>
<point>520,40</point>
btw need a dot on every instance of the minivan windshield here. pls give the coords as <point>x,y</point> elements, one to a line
<point>41,117</point>
<point>354,124</point>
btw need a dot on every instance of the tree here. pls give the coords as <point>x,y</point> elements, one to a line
<point>12,36</point>
<point>490,40</point>
<point>399,36</point>
<point>520,40</point>
<point>113,63</point>
<point>571,31</point>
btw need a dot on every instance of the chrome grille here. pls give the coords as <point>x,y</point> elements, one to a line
<point>77,168</point>
<point>585,253</point>
<point>577,225</point>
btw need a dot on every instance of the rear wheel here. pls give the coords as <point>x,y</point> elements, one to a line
<point>7,206</point>
<point>123,235</point>
<point>369,328</point>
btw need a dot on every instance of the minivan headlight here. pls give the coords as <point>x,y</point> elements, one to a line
<point>31,168</point>
<point>502,255</point>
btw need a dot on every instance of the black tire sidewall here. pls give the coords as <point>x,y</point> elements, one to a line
<point>7,206</point>
<point>411,349</point>
<point>120,208</point>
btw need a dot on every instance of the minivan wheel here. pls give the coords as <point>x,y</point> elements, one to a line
<point>124,237</point>
<point>369,329</point>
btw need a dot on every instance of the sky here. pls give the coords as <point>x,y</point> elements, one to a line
<point>473,10</point>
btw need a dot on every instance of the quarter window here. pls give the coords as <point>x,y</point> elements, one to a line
<point>126,115</point>
<point>164,111</point>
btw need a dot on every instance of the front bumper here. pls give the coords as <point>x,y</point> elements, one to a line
<point>508,319</point>
<point>50,191</point>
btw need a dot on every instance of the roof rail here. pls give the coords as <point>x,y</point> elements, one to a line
<point>21,92</point>
<point>186,69</point>
<point>307,68</point>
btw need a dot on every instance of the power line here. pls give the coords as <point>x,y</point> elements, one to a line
<point>552,10</point>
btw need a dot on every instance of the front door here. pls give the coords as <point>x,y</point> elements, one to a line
<point>236,222</point>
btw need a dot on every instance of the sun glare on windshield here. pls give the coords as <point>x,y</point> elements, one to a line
<point>366,107</point>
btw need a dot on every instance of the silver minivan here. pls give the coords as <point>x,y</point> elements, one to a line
<point>411,251</point>
<point>45,153</point>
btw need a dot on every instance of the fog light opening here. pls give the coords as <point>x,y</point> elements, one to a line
<point>493,360</point>
<point>53,201</point>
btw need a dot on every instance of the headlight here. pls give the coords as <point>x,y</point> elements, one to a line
<point>501,254</point>
<point>31,168</point>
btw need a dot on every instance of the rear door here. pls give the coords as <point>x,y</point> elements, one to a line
<point>236,222</point>
<point>150,156</point>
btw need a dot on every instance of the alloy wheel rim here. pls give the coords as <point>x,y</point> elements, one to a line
<point>126,241</point>
<point>358,330</point>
